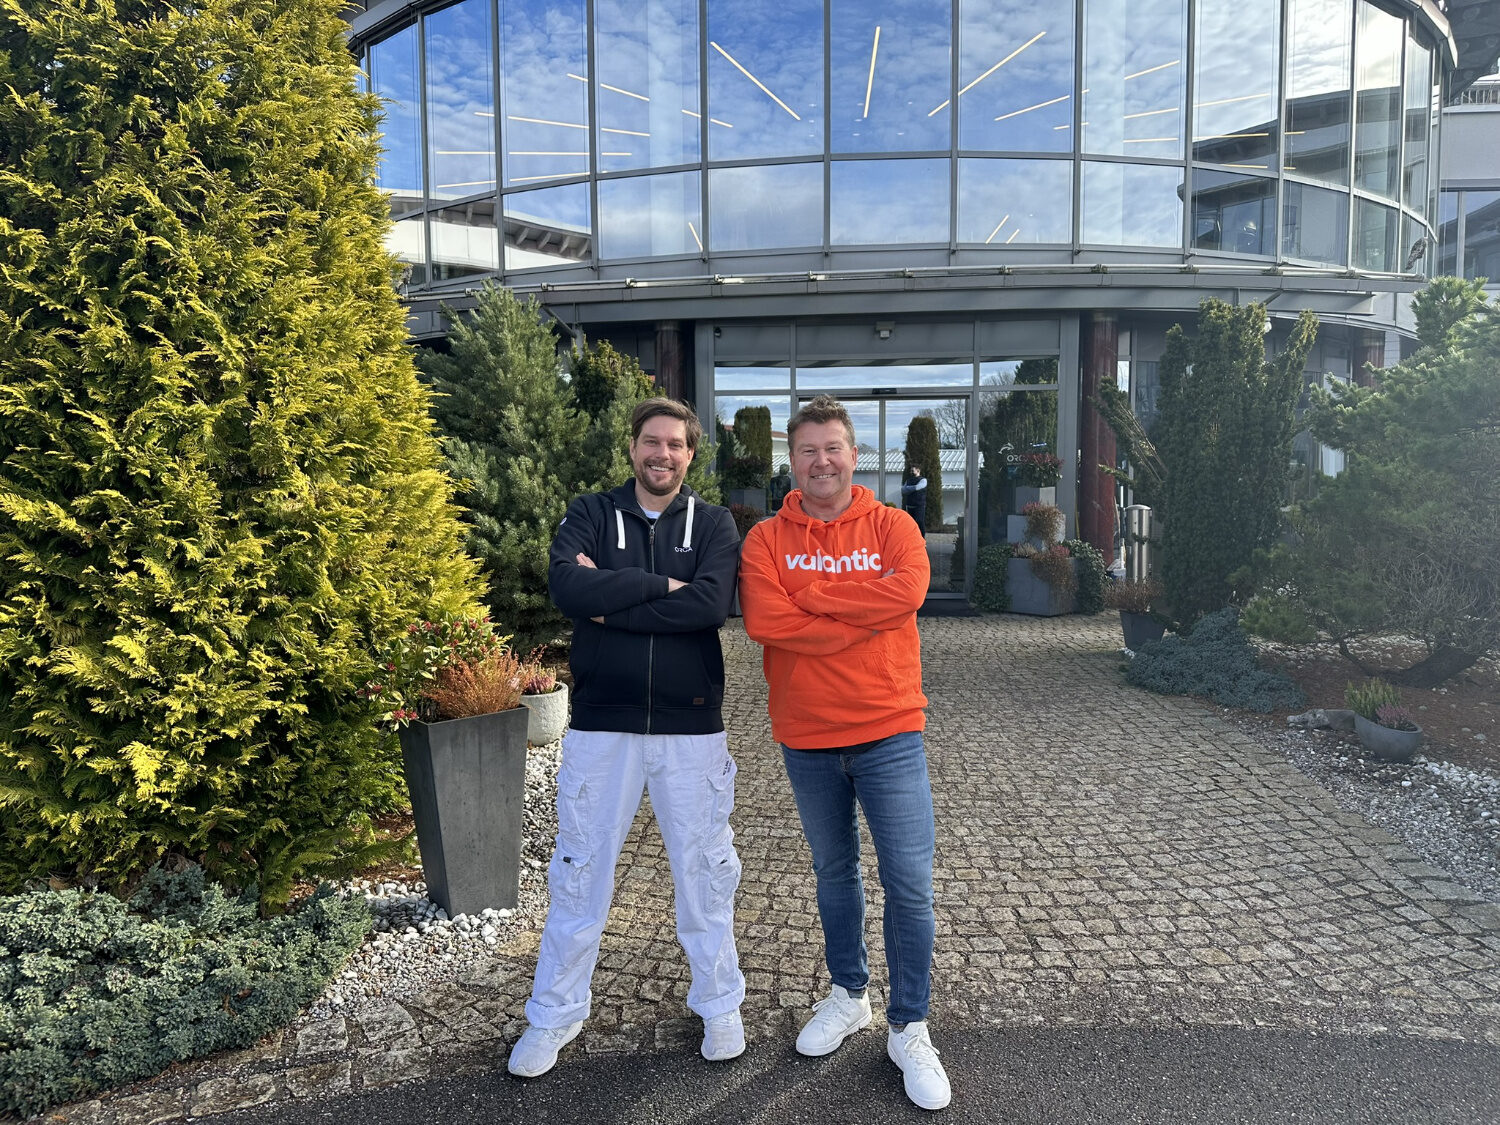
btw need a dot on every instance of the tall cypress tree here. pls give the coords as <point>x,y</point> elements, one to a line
<point>1225,439</point>
<point>219,488</point>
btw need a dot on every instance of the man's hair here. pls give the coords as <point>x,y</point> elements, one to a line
<point>824,408</point>
<point>667,408</point>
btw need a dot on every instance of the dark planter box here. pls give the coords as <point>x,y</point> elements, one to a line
<point>468,796</point>
<point>1029,594</point>
<point>1140,629</point>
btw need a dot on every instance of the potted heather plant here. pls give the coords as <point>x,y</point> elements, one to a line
<point>1042,574</point>
<point>1384,727</point>
<point>452,691</point>
<point>546,697</point>
<point>1134,598</point>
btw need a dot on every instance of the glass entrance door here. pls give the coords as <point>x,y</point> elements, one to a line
<point>891,433</point>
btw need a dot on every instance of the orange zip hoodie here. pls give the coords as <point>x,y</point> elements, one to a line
<point>835,605</point>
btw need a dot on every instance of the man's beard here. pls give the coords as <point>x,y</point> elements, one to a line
<point>643,478</point>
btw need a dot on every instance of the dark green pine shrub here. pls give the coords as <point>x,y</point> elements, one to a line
<point>95,992</point>
<point>607,386</point>
<point>1215,660</point>
<point>1405,540</point>
<point>516,443</point>
<point>922,450</point>
<point>1225,440</point>
<point>219,489</point>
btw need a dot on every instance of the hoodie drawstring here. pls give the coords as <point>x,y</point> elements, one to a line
<point>687,532</point>
<point>620,529</point>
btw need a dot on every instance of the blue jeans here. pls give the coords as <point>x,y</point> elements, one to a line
<point>889,781</point>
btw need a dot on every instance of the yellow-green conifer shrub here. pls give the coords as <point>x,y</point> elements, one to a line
<point>219,488</point>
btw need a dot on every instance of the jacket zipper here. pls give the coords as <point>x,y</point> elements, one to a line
<point>651,641</point>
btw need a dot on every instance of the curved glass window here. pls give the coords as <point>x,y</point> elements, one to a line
<point>1375,229</point>
<point>1314,224</point>
<point>1377,103</point>
<point>646,67</point>
<point>463,240</point>
<point>651,216</point>
<point>408,242</point>
<point>765,79</point>
<point>1015,76</point>
<point>1447,264</point>
<point>1234,213</point>
<point>1481,234</point>
<point>394,69</point>
<point>547,227</point>
<point>1420,96</point>
<point>765,207</point>
<point>891,63</point>
<point>1134,61</point>
<point>544,60</point>
<point>460,102</point>
<point>1131,205</point>
<point>1235,92</point>
<point>1015,202</point>
<point>1318,64</point>
<point>872,202</point>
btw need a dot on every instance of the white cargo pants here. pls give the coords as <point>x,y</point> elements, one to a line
<point>691,781</point>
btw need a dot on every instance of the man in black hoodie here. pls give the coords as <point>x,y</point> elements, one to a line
<point>647,573</point>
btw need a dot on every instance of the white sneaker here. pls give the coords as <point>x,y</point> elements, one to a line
<point>912,1050</point>
<point>835,1017</point>
<point>723,1037</point>
<point>536,1051</point>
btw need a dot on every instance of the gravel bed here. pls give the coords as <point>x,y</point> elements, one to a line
<point>415,944</point>
<point>1448,815</point>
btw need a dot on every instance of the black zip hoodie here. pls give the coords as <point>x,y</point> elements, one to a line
<point>654,666</point>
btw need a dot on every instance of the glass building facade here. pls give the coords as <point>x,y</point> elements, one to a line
<point>973,211</point>
<point>526,135</point>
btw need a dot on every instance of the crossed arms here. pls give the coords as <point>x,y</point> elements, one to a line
<point>830,616</point>
<point>634,598</point>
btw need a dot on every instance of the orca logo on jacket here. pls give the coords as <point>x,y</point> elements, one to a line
<point>683,550</point>
<point>857,560</point>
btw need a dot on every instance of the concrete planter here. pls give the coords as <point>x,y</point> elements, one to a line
<point>549,715</point>
<point>467,779</point>
<point>1030,595</point>
<point>1385,743</point>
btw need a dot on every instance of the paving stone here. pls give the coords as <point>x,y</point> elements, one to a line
<point>323,1037</point>
<point>319,1079</point>
<point>150,1109</point>
<point>221,1095</point>
<point>380,1067</point>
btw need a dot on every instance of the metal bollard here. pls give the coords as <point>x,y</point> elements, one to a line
<point>1137,541</point>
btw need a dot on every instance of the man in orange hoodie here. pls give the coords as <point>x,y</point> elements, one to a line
<point>830,588</point>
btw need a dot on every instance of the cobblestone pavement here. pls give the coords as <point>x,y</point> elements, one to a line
<point>1106,858</point>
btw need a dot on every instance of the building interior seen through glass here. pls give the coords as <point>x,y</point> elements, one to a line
<point>1004,410</point>
<point>519,136</point>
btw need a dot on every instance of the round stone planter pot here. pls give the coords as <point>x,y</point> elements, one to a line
<point>1386,744</point>
<point>549,716</point>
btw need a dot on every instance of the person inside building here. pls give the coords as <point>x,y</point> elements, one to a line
<point>830,587</point>
<point>914,496</point>
<point>646,571</point>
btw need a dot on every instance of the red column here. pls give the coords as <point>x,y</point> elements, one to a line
<point>1096,441</point>
<point>1369,356</point>
<point>671,350</point>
